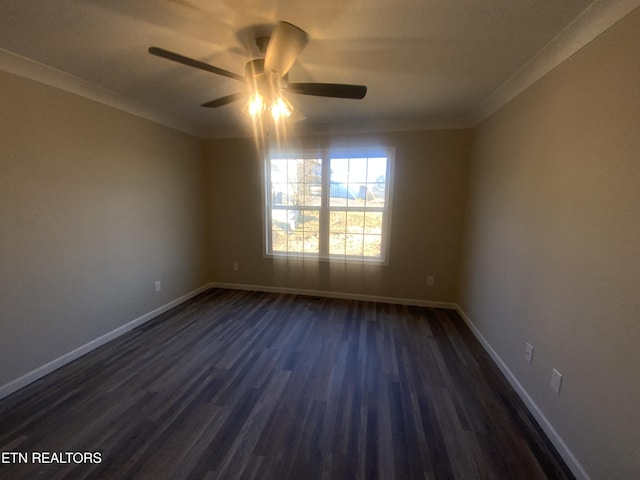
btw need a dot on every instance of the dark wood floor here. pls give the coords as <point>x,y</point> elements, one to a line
<point>253,385</point>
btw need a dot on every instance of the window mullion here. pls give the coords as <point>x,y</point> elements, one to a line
<point>268,202</point>
<point>324,205</point>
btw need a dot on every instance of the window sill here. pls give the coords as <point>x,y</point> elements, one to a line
<point>288,257</point>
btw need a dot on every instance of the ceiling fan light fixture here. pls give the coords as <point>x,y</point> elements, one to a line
<point>281,109</point>
<point>255,106</point>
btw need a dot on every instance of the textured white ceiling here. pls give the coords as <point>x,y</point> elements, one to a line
<point>421,59</point>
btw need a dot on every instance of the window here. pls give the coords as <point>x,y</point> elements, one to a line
<point>331,204</point>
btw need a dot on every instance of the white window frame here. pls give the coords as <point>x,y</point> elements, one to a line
<point>326,155</point>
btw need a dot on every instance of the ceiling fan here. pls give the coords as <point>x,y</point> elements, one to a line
<point>266,78</point>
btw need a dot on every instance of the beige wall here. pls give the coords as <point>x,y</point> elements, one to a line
<point>427,218</point>
<point>553,246</point>
<point>95,205</point>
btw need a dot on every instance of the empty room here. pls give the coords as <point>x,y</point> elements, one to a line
<point>332,240</point>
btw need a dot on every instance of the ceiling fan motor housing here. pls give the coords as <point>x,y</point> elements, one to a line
<point>262,42</point>
<point>254,68</point>
<point>268,86</point>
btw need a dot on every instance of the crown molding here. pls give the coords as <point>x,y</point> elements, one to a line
<point>352,128</point>
<point>25,67</point>
<point>586,27</point>
<point>398,125</point>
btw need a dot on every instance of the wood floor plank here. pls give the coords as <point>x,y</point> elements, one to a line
<point>237,384</point>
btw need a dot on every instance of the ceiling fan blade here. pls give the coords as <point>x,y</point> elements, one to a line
<point>176,57</point>
<point>286,43</point>
<point>336,90</point>
<point>219,102</point>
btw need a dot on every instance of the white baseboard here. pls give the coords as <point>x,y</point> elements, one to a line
<point>33,375</point>
<point>572,462</point>
<point>330,294</point>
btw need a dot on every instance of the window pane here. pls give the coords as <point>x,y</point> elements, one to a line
<point>373,223</point>
<point>278,171</point>
<point>354,244</point>
<point>296,194</point>
<point>295,242</point>
<point>339,170</point>
<point>376,194</point>
<point>311,243</point>
<point>313,195</point>
<point>363,192</point>
<point>279,240</point>
<point>353,181</point>
<point>337,222</point>
<point>355,222</point>
<point>309,224</point>
<point>288,194</point>
<point>313,170</point>
<point>278,193</point>
<point>309,195</point>
<point>377,170</point>
<point>340,194</point>
<point>295,231</point>
<point>283,219</point>
<point>303,179</point>
<point>354,200</point>
<point>310,220</point>
<point>372,245</point>
<point>357,170</point>
<point>337,243</point>
<point>292,170</point>
<point>338,189</point>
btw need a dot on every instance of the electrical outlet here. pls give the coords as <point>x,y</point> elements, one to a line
<point>430,281</point>
<point>528,352</point>
<point>236,267</point>
<point>556,381</point>
<point>158,286</point>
